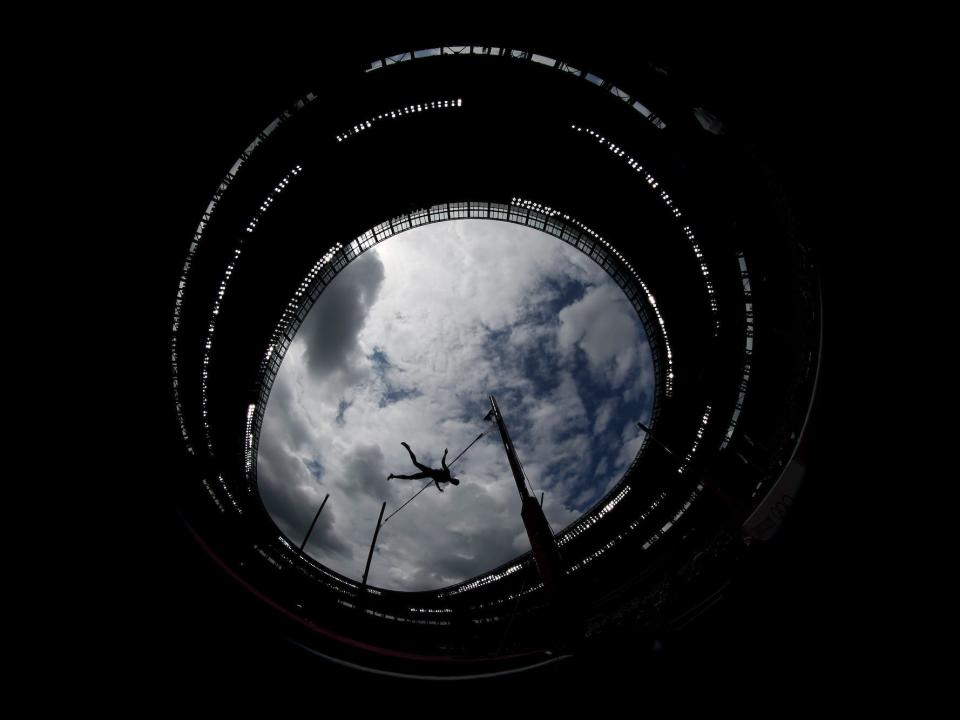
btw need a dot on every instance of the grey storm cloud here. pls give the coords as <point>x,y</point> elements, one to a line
<point>329,332</point>
<point>405,345</point>
<point>365,472</point>
<point>292,497</point>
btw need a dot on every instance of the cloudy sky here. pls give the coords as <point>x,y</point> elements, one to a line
<point>406,345</point>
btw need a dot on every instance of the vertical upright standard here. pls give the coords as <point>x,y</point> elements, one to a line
<point>373,544</point>
<point>315,518</point>
<point>542,542</point>
<point>653,437</point>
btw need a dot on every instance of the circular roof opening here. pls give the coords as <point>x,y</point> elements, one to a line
<point>406,344</point>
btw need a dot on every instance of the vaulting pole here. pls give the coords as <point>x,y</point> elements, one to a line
<point>315,518</point>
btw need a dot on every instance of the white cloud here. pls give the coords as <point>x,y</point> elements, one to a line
<point>605,327</point>
<point>604,415</point>
<point>417,333</point>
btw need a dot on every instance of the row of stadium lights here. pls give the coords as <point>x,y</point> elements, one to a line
<point>489,51</point>
<point>286,318</point>
<point>195,243</point>
<point>310,98</point>
<point>391,114</point>
<point>748,350</point>
<point>674,210</point>
<point>212,325</point>
<point>696,443</point>
<point>593,519</point>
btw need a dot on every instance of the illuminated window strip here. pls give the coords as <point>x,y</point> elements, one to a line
<point>194,244</point>
<point>481,581</point>
<point>636,523</point>
<point>509,598</point>
<point>683,508</point>
<point>388,616</point>
<point>593,519</point>
<point>747,351</point>
<point>654,536</point>
<point>595,554</point>
<point>544,60</point>
<point>696,442</point>
<point>213,495</point>
<point>248,438</point>
<point>429,610</point>
<point>215,312</point>
<point>550,212</point>
<point>392,114</point>
<point>269,558</point>
<point>314,571</point>
<point>230,497</point>
<point>632,527</point>
<point>675,211</point>
<point>705,271</point>
<point>527,565</point>
<point>653,506</point>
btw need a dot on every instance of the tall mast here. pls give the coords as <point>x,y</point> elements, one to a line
<point>542,542</point>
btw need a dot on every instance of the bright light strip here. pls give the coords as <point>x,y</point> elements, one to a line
<point>393,114</point>
<point>195,243</point>
<point>593,519</point>
<point>213,495</point>
<point>747,350</point>
<point>215,312</point>
<point>696,442</point>
<point>248,439</point>
<point>482,581</point>
<point>544,60</point>
<point>670,204</point>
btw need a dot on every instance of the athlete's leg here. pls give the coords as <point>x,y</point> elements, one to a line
<point>413,457</point>
<point>418,476</point>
